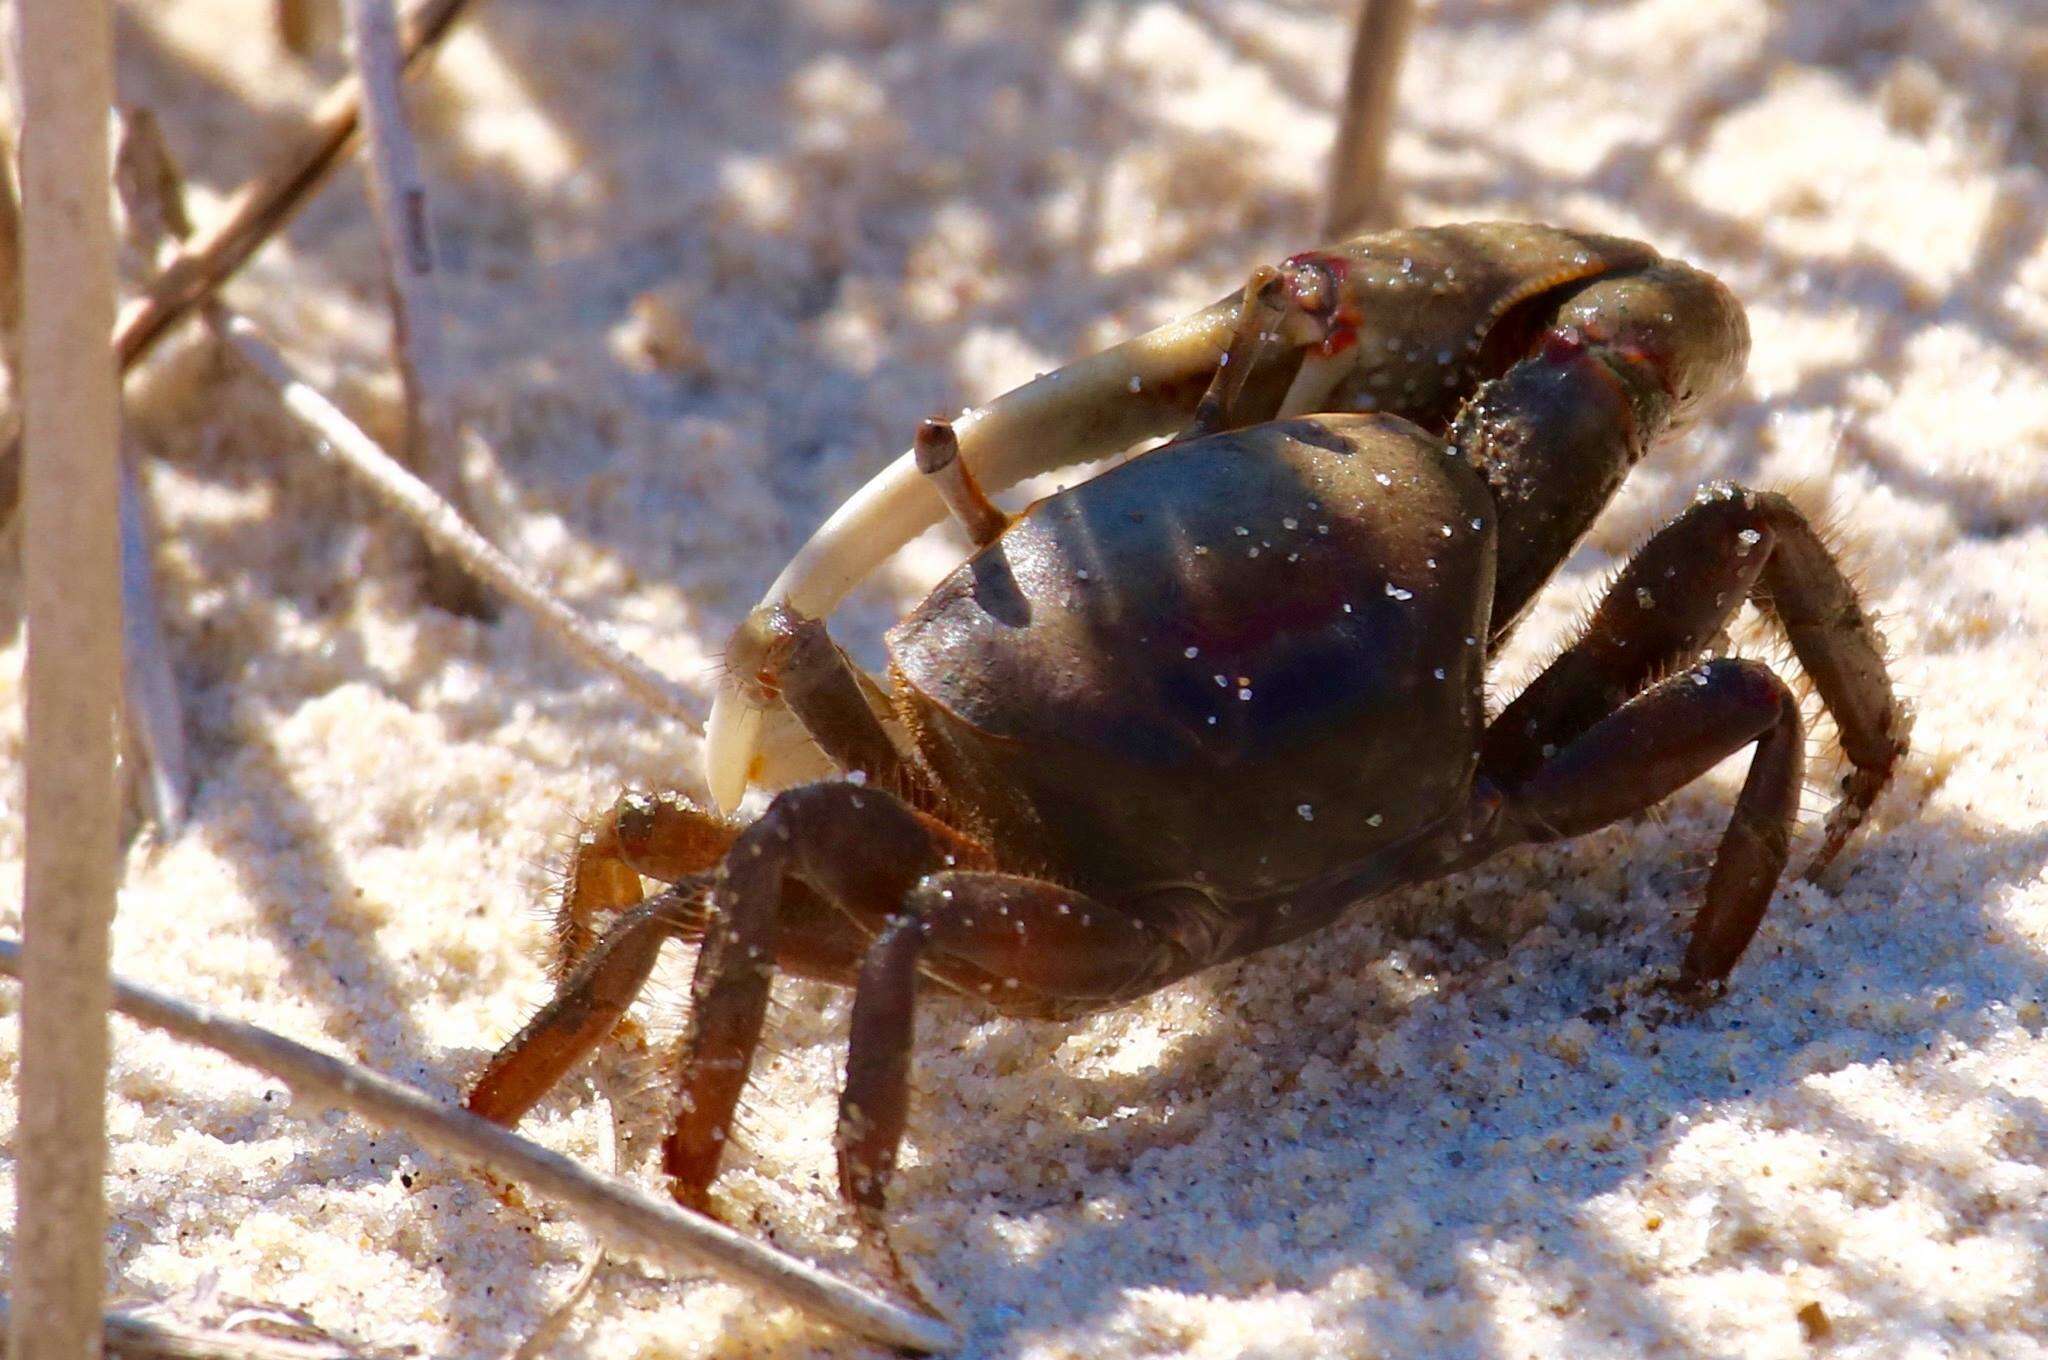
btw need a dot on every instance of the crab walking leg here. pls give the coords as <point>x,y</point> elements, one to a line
<point>1026,945</point>
<point>1098,406</point>
<point>664,837</point>
<point>1674,597</point>
<point>660,836</point>
<point>585,1009</point>
<point>860,850</point>
<point>1655,745</point>
<point>1842,652</point>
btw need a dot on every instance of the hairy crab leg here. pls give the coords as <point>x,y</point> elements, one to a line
<point>1676,593</point>
<point>1656,744</point>
<point>860,850</point>
<point>664,837</point>
<point>584,1011</point>
<point>1027,945</point>
<point>784,654</point>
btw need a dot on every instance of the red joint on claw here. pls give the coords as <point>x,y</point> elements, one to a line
<point>1316,281</point>
<point>1562,344</point>
<point>1343,331</point>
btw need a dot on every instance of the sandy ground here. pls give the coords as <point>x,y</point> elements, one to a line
<point>1399,1139</point>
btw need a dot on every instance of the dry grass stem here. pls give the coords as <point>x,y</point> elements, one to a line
<point>10,313</point>
<point>71,582</point>
<point>623,1215</point>
<point>130,1334</point>
<point>256,212</point>
<point>10,271</point>
<point>1359,197</point>
<point>444,527</point>
<point>152,197</point>
<point>405,233</point>
<point>152,711</point>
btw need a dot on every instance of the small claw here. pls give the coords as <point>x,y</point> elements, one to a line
<point>732,740</point>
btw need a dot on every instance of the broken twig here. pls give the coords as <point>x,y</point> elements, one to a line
<point>344,440</point>
<point>398,192</point>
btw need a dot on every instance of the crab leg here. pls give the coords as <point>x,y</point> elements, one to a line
<point>664,837</point>
<point>857,849</point>
<point>1031,944</point>
<point>588,1007</point>
<point>1656,744</point>
<point>1676,593</point>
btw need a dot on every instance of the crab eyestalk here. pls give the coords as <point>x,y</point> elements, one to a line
<point>938,457</point>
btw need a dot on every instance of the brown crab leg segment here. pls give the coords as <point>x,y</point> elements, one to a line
<point>1655,745</point>
<point>1674,597</point>
<point>585,1009</point>
<point>860,850</point>
<point>779,652</point>
<point>937,450</point>
<point>1840,650</point>
<point>661,836</point>
<point>1027,945</point>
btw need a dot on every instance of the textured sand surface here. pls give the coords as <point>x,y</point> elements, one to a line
<point>1397,1139</point>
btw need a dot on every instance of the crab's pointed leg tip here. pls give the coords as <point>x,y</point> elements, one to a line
<point>732,738</point>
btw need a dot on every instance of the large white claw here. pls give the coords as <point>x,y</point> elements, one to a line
<point>1092,408</point>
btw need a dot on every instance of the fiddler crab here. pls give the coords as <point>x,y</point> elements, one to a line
<point>1215,698</point>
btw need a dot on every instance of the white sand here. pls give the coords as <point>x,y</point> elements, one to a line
<point>1386,1141</point>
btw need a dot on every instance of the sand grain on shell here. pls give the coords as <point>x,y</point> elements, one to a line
<point>708,266</point>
